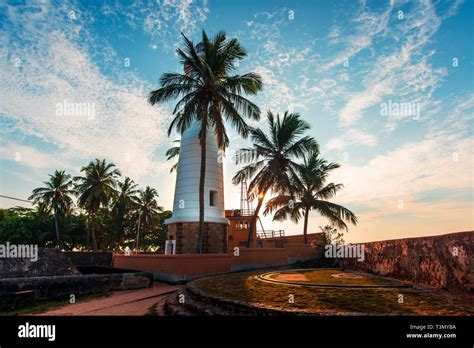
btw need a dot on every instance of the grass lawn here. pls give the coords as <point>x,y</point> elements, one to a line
<point>325,277</point>
<point>416,301</point>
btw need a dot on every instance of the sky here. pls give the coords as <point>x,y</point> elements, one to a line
<point>387,87</point>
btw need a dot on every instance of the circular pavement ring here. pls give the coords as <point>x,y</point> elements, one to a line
<point>265,277</point>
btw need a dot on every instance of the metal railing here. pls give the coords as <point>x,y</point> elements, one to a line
<point>243,212</point>
<point>270,234</point>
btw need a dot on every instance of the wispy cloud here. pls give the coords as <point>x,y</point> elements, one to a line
<point>47,63</point>
<point>439,162</point>
<point>352,137</point>
<point>368,25</point>
<point>161,20</point>
<point>405,72</point>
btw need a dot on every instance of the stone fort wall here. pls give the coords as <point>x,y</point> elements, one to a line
<point>445,261</point>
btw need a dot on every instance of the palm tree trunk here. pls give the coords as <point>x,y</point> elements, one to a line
<point>56,225</point>
<point>305,230</point>
<point>94,242</point>
<point>202,178</point>
<point>88,238</point>
<point>253,223</point>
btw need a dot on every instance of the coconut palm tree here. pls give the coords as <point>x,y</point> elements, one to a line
<point>95,189</point>
<point>210,94</point>
<point>171,153</point>
<point>126,197</point>
<point>310,192</point>
<point>148,210</point>
<point>55,195</point>
<point>123,207</point>
<point>272,159</point>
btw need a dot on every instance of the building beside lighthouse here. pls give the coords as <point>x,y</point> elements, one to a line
<point>183,226</point>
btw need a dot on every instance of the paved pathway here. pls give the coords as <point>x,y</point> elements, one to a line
<point>126,302</point>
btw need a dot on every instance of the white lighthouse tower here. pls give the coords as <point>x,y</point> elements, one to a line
<point>184,224</point>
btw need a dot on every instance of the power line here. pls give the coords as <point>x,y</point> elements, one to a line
<point>16,199</point>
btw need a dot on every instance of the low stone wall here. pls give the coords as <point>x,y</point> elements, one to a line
<point>184,267</point>
<point>240,307</point>
<point>259,258</point>
<point>49,261</point>
<point>175,268</point>
<point>89,258</point>
<point>47,288</point>
<point>445,261</point>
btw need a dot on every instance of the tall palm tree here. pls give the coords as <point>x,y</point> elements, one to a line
<point>272,159</point>
<point>209,94</point>
<point>55,196</point>
<point>171,153</point>
<point>123,207</point>
<point>310,192</point>
<point>95,189</point>
<point>148,210</point>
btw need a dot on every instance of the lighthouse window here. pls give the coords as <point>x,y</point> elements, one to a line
<point>212,198</point>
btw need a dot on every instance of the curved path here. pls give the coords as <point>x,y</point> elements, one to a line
<point>125,302</point>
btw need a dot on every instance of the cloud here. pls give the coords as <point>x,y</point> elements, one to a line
<point>419,188</point>
<point>404,73</point>
<point>274,57</point>
<point>352,137</point>
<point>368,25</point>
<point>277,95</point>
<point>44,64</point>
<point>31,157</point>
<point>442,162</point>
<point>460,114</point>
<point>161,20</point>
<point>335,32</point>
<point>353,109</point>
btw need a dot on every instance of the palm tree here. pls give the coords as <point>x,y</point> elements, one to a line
<point>55,196</point>
<point>124,204</point>
<point>95,189</point>
<point>127,194</point>
<point>310,192</point>
<point>148,210</point>
<point>171,153</point>
<point>209,95</point>
<point>272,158</point>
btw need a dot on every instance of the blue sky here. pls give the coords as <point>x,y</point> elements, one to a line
<point>338,63</point>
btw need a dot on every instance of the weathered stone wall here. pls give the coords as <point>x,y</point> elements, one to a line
<point>48,288</point>
<point>89,258</point>
<point>50,262</point>
<point>444,261</point>
<point>186,235</point>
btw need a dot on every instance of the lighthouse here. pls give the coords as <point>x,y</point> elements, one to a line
<point>183,226</point>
